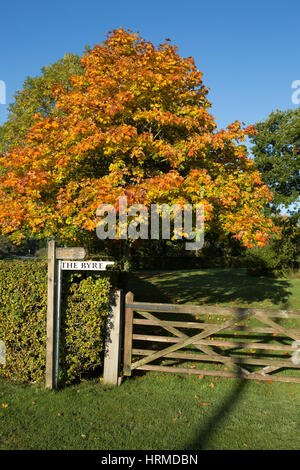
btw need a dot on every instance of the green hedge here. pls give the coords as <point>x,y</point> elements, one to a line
<point>23,311</point>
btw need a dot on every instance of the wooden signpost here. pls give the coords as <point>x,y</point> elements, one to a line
<point>59,260</point>
<point>70,253</point>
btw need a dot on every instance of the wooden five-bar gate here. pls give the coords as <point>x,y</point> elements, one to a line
<point>246,343</point>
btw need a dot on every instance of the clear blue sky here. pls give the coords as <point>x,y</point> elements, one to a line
<point>248,51</point>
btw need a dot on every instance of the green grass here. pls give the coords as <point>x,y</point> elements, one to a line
<point>154,411</point>
<point>157,411</point>
<point>226,287</point>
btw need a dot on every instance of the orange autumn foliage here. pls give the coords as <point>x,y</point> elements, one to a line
<point>135,124</point>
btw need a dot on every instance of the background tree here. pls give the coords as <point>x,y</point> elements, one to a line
<point>35,97</point>
<point>135,124</point>
<point>276,152</point>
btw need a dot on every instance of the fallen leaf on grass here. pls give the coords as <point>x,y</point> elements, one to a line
<point>4,405</point>
<point>59,414</point>
<point>211,385</point>
<point>200,376</point>
<point>83,436</point>
<point>245,445</point>
<point>203,403</point>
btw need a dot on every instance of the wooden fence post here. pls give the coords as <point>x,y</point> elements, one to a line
<point>111,373</point>
<point>50,315</point>
<point>128,334</point>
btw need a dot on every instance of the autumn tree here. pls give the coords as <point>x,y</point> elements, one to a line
<point>135,123</point>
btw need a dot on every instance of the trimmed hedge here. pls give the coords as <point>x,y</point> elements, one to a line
<point>23,312</point>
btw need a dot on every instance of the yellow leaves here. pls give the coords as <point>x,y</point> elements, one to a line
<point>4,405</point>
<point>137,123</point>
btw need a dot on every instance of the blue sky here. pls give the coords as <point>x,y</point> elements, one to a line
<point>248,51</point>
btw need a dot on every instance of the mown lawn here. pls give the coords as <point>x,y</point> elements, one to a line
<point>156,411</point>
<point>228,287</point>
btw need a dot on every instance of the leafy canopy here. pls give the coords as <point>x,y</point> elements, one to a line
<point>135,123</point>
<point>277,155</point>
<point>36,97</point>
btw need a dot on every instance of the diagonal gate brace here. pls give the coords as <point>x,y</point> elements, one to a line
<point>190,340</point>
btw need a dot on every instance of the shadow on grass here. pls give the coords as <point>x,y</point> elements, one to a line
<point>211,286</point>
<point>205,433</point>
<point>208,286</point>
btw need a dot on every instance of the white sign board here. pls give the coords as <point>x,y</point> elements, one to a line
<point>85,265</point>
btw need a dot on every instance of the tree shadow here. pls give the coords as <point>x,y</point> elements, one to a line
<point>206,431</point>
<point>210,286</point>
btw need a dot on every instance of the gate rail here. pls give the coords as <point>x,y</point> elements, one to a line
<point>209,344</point>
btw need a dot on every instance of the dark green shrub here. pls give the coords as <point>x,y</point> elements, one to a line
<point>280,256</point>
<point>86,308</point>
<point>23,311</point>
<point>263,261</point>
<point>271,260</point>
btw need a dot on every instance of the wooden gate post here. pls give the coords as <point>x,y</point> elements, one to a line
<point>50,315</point>
<point>111,373</point>
<point>128,334</point>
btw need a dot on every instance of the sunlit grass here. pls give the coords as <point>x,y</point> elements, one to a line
<point>153,411</point>
<point>165,411</point>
